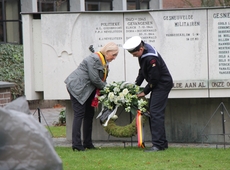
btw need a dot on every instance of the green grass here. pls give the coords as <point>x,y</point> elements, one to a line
<point>57,131</point>
<point>133,158</point>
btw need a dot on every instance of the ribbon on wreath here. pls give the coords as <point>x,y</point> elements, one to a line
<point>95,99</point>
<point>140,129</point>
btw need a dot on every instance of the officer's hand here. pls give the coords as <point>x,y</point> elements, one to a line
<point>142,94</point>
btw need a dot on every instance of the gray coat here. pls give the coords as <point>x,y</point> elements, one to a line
<point>86,78</point>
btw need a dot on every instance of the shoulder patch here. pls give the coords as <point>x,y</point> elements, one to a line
<point>153,62</point>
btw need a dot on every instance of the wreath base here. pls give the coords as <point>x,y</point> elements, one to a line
<point>122,131</point>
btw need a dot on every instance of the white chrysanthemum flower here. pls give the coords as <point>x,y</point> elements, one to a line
<point>106,89</point>
<point>116,90</point>
<point>111,96</point>
<point>122,94</point>
<point>101,98</point>
<point>114,117</point>
<point>117,100</point>
<point>114,84</point>
<point>125,91</point>
<point>128,109</point>
<point>122,99</point>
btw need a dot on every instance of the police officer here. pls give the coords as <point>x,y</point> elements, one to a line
<point>159,82</point>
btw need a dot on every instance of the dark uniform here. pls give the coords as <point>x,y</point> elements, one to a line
<point>154,70</point>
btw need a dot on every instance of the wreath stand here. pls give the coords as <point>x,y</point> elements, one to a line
<point>135,127</point>
<point>222,111</point>
<point>130,121</point>
<point>39,118</point>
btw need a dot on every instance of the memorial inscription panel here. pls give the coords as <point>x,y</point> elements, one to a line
<point>181,38</point>
<point>143,25</point>
<point>194,44</point>
<point>103,28</point>
<point>66,40</point>
<point>219,52</point>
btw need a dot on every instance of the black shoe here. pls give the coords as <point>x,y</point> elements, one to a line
<point>79,148</point>
<point>166,147</point>
<point>90,147</point>
<point>153,149</point>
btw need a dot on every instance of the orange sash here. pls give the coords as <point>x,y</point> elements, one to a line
<point>103,64</point>
<point>95,99</point>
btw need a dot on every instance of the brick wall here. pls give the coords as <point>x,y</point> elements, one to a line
<point>5,96</point>
<point>5,93</point>
<point>169,4</point>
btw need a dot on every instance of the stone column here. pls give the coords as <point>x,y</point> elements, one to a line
<point>69,119</point>
<point>29,6</point>
<point>77,5</point>
<point>120,5</point>
<point>155,4</point>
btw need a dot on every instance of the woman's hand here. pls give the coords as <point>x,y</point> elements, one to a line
<point>142,94</point>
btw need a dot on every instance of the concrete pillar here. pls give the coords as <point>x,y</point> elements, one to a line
<point>29,51</point>
<point>120,5</point>
<point>29,6</point>
<point>160,4</point>
<point>77,5</point>
<point>155,4</point>
<point>69,119</point>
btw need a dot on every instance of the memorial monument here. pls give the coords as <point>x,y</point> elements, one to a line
<point>193,42</point>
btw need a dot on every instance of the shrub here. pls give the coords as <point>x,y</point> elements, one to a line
<point>62,118</point>
<point>12,67</point>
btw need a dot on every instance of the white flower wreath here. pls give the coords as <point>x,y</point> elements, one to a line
<point>119,94</point>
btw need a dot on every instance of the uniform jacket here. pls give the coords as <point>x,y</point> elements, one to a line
<point>86,78</point>
<point>154,70</point>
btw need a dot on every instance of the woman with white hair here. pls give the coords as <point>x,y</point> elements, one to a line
<point>82,85</point>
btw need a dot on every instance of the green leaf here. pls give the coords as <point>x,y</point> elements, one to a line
<point>133,110</point>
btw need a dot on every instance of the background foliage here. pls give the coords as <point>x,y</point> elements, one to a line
<point>12,67</point>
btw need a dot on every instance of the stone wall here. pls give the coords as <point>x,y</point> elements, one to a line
<point>196,38</point>
<point>186,121</point>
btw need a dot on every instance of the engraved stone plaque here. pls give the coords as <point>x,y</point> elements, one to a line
<point>181,38</point>
<point>194,44</point>
<point>219,52</point>
<point>65,41</point>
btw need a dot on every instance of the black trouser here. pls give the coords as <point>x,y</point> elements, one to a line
<point>86,112</point>
<point>158,101</point>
